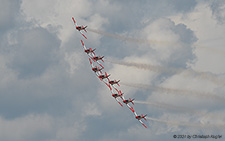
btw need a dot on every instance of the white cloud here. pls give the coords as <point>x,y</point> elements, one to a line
<point>9,10</point>
<point>209,48</point>
<point>70,132</point>
<point>172,41</point>
<point>25,128</point>
<point>59,14</point>
<point>91,109</point>
<point>44,70</point>
<point>40,127</point>
<point>36,50</point>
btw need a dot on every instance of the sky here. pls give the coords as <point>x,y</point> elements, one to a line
<point>168,55</point>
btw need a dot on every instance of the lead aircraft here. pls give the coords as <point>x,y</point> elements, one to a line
<point>79,28</point>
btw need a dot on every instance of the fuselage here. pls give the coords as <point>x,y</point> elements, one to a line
<point>116,95</point>
<point>96,69</point>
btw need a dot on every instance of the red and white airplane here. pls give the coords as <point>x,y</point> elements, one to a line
<point>103,76</point>
<point>90,50</point>
<point>120,94</point>
<point>115,95</point>
<point>126,101</point>
<point>112,82</point>
<point>139,117</point>
<point>111,86</point>
<point>96,58</point>
<point>95,68</point>
<point>79,28</point>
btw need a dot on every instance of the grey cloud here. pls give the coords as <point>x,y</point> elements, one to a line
<point>184,54</point>
<point>128,15</point>
<point>218,10</point>
<point>35,52</point>
<point>186,35</point>
<point>45,86</point>
<point>8,12</point>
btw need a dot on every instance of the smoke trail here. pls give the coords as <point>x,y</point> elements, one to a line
<point>187,124</point>
<point>202,75</point>
<point>181,109</point>
<point>161,69</point>
<point>130,39</point>
<point>176,91</point>
<point>154,68</point>
<point>170,107</point>
<point>210,50</point>
<point>146,41</point>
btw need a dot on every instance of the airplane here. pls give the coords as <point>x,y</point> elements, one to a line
<point>115,95</point>
<point>131,108</point>
<point>96,69</point>
<point>103,76</point>
<point>110,85</point>
<point>139,117</point>
<point>120,94</point>
<point>96,58</point>
<point>126,101</point>
<point>90,50</point>
<point>79,28</point>
<point>112,82</point>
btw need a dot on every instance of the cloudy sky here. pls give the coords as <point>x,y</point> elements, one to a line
<point>176,73</point>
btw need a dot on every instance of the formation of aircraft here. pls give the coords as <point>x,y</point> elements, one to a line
<point>98,68</point>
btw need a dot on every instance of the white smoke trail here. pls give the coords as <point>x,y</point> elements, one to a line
<point>161,69</point>
<point>196,125</point>
<point>171,107</point>
<point>147,41</point>
<point>176,91</point>
<point>150,67</point>
<point>130,39</point>
<point>155,68</point>
<point>182,109</point>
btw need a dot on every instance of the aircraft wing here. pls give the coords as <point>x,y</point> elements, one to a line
<point>83,35</point>
<point>108,85</point>
<point>119,102</point>
<point>135,114</point>
<point>142,123</point>
<point>74,21</point>
<point>83,44</point>
<point>131,108</point>
<point>90,56</point>
<point>115,88</point>
<point>100,64</point>
<point>76,25</point>
<point>91,63</point>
